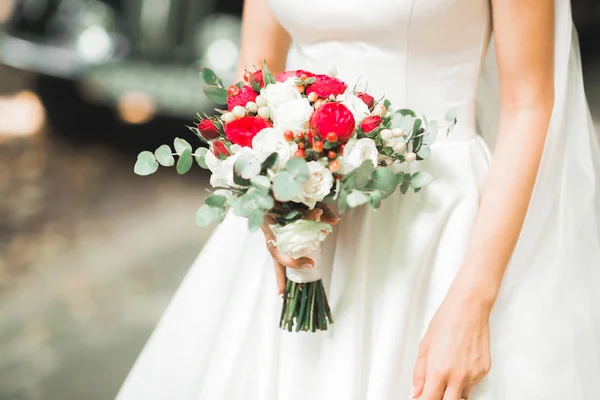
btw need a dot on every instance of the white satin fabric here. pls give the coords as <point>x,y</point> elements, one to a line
<point>386,272</point>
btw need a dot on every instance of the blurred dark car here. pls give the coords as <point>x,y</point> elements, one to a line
<point>102,64</point>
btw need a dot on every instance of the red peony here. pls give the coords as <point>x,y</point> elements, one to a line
<point>333,117</point>
<point>284,76</point>
<point>370,123</point>
<point>366,98</point>
<point>244,95</point>
<point>325,85</point>
<point>219,149</point>
<point>208,130</point>
<point>241,131</point>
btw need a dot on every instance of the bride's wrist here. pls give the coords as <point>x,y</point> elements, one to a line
<point>473,293</point>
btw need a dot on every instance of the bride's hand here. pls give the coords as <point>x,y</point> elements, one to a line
<point>324,214</point>
<point>455,352</point>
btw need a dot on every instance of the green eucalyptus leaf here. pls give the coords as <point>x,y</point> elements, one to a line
<point>184,164</point>
<point>298,168</point>
<point>209,76</point>
<point>214,200</point>
<point>420,179</point>
<point>400,178</point>
<point>200,157</point>
<point>387,103</point>
<point>424,152</point>
<point>255,220</point>
<point>357,198</point>
<point>404,187</point>
<point>407,112</point>
<point>285,187</point>
<point>417,125</point>
<point>376,197</point>
<point>363,174</point>
<point>261,182</point>
<point>181,145</point>
<point>270,161</point>
<point>240,84</point>
<point>247,166</point>
<point>164,157</point>
<point>451,116</point>
<point>342,202</point>
<point>416,143</point>
<point>206,215</point>
<point>216,94</point>
<point>383,180</point>
<point>407,124</point>
<point>146,164</point>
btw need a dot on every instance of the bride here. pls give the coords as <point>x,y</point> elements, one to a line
<point>483,286</point>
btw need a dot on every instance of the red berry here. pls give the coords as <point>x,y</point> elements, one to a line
<point>334,166</point>
<point>303,77</point>
<point>299,135</point>
<point>300,153</point>
<point>317,146</point>
<point>247,77</point>
<point>332,154</point>
<point>332,137</point>
<point>301,145</point>
<point>288,135</point>
<point>232,90</point>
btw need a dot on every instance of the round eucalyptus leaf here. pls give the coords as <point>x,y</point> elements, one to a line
<point>261,182</point>
<point>247,166</point>
<point>255,220</point>
<point>420,179</point>
<point>298,168</point>
<point>424,152</point>
<point>285,187</point>
<point>184,164</point>
<point>357,198</point>
<point>376,197</point>
<point>383,180</point>
<point>164,157</point>
<point>216,201</point>
<point>363,174</point>
<point>270,161</point>
<point>205,215</point>
<point>181,145</point>
<point>216,94</point>
<point>146,164</point>
<point>200,157</point>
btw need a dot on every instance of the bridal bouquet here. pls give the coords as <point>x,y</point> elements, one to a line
<point>289,142</point>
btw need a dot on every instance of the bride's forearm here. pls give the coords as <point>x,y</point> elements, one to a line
<point>504,201</point>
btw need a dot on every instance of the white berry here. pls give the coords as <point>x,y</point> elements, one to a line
<point>386,134</point>
<point>251,107</point>
<point>263,112</point>
<point>239,111</point>
<point>410,157</point>
<point>260,101</point>
<point>313,96</point>
<point>332,72</point>
<point>398,132</point>
<point>227,117</point>
<point>399,147</point>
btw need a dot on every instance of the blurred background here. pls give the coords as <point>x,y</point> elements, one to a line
<point>90,254</point>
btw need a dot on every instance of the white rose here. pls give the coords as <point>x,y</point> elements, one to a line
<point>300,238</point>
<point>278,93</point>
<point>271,140</point>
<point>293,115</point>
<point>357,107</point>
<point>318,185</point>
<point>222,170</point>
<point>358,151</point>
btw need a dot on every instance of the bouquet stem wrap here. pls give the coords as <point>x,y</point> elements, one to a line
<point>305,306</point>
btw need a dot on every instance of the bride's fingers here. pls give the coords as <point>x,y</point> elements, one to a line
<point>328,215</point>
<point>279,276</point>
<point>453,393</point>
<point>314,214</point>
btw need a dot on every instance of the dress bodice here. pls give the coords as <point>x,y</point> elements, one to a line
<point>421,54</point>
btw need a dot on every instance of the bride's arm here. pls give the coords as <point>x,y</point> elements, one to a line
<point>263,38</point>
<point>455,352</point>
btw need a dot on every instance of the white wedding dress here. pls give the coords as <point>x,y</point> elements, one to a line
<point>386,272</point>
